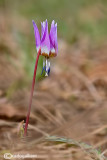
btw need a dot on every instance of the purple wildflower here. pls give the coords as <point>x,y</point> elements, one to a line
<point>47,44</point>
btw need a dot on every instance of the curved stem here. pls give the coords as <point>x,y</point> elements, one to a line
<point>32,89</point>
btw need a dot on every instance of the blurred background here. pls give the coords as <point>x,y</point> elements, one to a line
<point>72,101</point>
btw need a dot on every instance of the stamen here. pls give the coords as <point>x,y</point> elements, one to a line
<point>47,69</point>
<point>46,66</point>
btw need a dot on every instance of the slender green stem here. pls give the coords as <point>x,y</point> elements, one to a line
<point>31,96</point>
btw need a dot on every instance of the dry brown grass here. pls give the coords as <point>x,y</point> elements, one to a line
<point>70,103</point>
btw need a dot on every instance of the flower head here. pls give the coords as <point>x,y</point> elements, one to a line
<point>48,41</point>
<point>47,44</point>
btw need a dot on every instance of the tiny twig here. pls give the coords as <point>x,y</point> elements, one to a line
<point>105,151</point>
<point>38,130</point>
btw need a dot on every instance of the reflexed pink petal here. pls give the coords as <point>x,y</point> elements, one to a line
<point>53,38</point>
<point>45,42</point>
<point>52,33</point>
<point>42,29</point>
<point>37,35</point>
<point>56,42</point>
